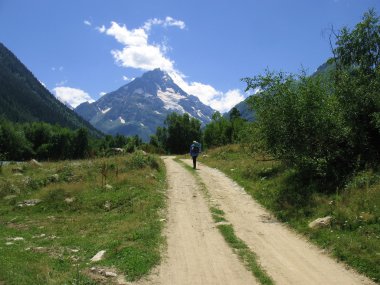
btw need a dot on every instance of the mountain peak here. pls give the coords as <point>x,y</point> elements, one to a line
<point>157,75</point>
<point>142,105</point>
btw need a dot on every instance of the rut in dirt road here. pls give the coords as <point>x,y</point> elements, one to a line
<point>286,257</point>
<point>196,251</point>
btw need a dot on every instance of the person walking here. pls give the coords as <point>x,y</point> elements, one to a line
<point>195,149</point>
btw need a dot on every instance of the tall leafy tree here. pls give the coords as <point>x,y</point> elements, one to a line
<point>178,133</point>
<point>357,55</point>
<point>81,144</point>
<point>326,126</point>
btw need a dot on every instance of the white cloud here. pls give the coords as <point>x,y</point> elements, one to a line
<point>72,96</point>
<point>227,101</point>
<point>101,29</point>
<point>61,83</point>
<point>102,93</point>
<point>168,22</point>
<point>57,68</point>
<point>138,53</point>
<point>145,57</point>
<point>87,23</point>
<point>208,95</point>
<point>136,37</point>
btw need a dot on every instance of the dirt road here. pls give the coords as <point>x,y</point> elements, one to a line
<point>197,253</point>
<point>287,257</point>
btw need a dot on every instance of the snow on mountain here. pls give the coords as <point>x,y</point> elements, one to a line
<point>171,100</point>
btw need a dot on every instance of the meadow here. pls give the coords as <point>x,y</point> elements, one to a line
<point>56,216</point>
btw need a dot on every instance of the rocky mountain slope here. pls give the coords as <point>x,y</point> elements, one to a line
<point>142,105</point>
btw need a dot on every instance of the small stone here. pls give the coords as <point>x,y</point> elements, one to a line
<point>107,205</point>
<point>39,249</point>
<point>69,200</point>
<point>222,224</point>
<point>31,202</point>
<point>321,222</point>
<point>9,243</point>
<point>74,250</point>
<point>162,220</point>
<point>35,163</point>
<point>110,274</point>
<point>99,256</point>
<point>18,238</point>
<point>15,239</point>
<point>108,187</point>
<point>93,269</point>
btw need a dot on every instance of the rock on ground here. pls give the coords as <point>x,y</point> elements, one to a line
<point>321,222</point>
<point>99,256</point>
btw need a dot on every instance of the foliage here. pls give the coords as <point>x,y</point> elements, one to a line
<point>327,125</point>
<point>221,131</point>
<point>52,142</point>
<point>177,134</point>
<point>300,122</point>
<point>360,48</point>
<point>358,84</point>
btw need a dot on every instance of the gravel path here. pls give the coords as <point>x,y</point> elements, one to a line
<point>196,251</point>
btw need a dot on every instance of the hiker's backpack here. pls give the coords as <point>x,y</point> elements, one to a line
<point>195,149</point>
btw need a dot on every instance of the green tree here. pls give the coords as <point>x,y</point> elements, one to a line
<point>219,131</point>
<point>301,123</point>
<point>326,125</point>
<point>13,143</point>
<point>357,55</point>
<point>80,144</point>
<point>179,132</point>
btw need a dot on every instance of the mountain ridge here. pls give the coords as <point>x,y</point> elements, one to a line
<point>23,98</point>
<point>142,105</point>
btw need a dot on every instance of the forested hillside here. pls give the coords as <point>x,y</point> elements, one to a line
<point>23,98</point>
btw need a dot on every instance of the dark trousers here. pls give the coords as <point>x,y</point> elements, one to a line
<point>194,162</point>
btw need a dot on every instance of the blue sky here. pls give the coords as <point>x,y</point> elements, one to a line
<point>81,49</point>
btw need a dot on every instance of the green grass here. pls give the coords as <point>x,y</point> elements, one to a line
<point>353,237</point>
<point>239,247</point>
<point>79,215</point>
